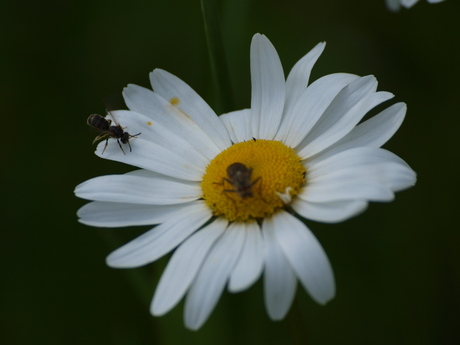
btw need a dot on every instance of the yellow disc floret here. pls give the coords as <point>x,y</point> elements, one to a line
<point>253,179</point>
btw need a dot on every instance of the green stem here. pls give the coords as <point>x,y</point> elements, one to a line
<point>217,58</point>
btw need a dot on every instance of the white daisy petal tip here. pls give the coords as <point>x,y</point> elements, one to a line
<point>329,212</point>
<point>325,295</point>
<point>395,5</point>
<point>114,262</point>
<point>268,88</point>
<point>326,299</point>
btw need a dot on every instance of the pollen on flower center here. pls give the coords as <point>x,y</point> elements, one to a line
<point>253,179</point>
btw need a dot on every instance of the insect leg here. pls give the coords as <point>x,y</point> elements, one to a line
<point>118,141</point>
<point>255,181</point>
<point>106,143</point>
<point>260,188</point>
<point>222,183</point>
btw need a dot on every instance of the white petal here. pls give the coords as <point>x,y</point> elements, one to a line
<point>357,154</point>
<point>161,111</point>
<point>190,103</point>
<point>392,175</point>
<point>345,98</point>
<point>312,103</point>
<point>163,136</point>
<point>212,277</point>
<point>346,189</point>
<point>183,267</point>
<point>114,214</point>
<point>160,240</point>
<point>142,101</point>
<point>280,282</point>
<point>372,133</point>
<point>249,266</point>
<point>380,128</point>
<point>138,190</point>
<point>362,163</point>
<point>268,88</point>
<point>306,256</point>
<point>297,79</point>
<point>347,109</point>
<point>154,157</point>
<point>329,212</point>
<point>238,124</point>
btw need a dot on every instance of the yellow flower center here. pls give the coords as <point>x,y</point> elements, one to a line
<point>253,179</point>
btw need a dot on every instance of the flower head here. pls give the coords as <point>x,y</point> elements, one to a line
<point>395,5</point>
<point>228,193</point>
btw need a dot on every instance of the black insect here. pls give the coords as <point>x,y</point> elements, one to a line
<point>239,176</point>
<point>108,131</point>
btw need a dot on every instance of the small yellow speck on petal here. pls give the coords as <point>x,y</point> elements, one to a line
<point>268,176</point>
<point>149,123</point>
<point>174,101</point>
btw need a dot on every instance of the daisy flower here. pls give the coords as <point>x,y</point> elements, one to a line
<point>228,194</point>
<point>395,5</point>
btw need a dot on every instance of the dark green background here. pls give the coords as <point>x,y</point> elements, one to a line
<point>396,266</point>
